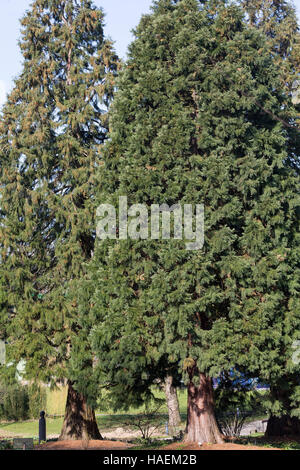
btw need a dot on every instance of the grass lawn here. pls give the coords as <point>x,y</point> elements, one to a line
<point>106,418</point>
<point>31,428</point>
<point>56,401</point>
<point>261,441</point>
<point>182,398</point>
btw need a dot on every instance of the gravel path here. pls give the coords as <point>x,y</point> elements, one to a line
<point>254,427</point>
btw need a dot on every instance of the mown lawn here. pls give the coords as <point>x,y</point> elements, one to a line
<point>107,418</point>
<point>261,441</point>
<point>56,403</point>
<point>31,428</point>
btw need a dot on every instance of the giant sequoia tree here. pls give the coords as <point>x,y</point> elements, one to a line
<point>200,117</point>
<point>51,132</point>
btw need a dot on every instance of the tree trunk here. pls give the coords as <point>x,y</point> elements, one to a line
<point>201,422</point>
<point>283,426</point>
<point>80,421</point>
<point>172,402</point>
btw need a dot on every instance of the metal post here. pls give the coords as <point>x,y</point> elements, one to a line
<point>42,427</point>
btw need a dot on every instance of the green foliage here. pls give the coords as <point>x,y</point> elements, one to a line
<point>52,130</point>
<point>233,393</point>
<point>20,402</point>
<point>6,445</point>
<point>278,21</point>
<point>200,117</point>
<point>148,421</point>
<point>4,309</point>
<point>14,403</point>
<point>236,400</point>
<point>231,423</point>
<point>37,400</point>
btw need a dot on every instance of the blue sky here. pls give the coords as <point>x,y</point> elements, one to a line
<point>121,17</point>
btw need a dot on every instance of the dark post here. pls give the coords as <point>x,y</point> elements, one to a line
<point>42,427</point>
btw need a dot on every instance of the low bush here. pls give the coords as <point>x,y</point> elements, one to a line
<point>21,402</point>
<point>14,405</point>
<point>37,400</point>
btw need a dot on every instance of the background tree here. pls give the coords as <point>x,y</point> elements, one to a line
<point>144,368</point>
<point>51,133</point>
<point>200,117</point>
<point>278,21</point>
<point>172,402</point>
<point>4,309</point>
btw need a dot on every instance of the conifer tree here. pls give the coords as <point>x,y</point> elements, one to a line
<point>3,310</point>
<point>278,21</point>
<point>200,117</point>
<point>170,390</point>
<point>52,130</point>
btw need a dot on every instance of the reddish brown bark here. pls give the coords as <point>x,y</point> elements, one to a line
<point>201,422</point>
<point>80,421</point>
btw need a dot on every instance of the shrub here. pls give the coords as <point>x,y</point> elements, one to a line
<point>232,423</point>
<point>6,445</point>
<point>15,403</point>
<point>37,400</point>
<point>147,422</point>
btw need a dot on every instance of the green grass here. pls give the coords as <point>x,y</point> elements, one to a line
<point>56,401</point>
<point>31,428</point>
<point>106,418</point>
<point>260,441</point>
<point>182,398</point>
<point>105,422</point>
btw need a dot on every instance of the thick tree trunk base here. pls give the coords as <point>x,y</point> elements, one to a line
<point>80,421</point>
<point>172,403</point>
<point>202,426</point>
<point>283,426</point>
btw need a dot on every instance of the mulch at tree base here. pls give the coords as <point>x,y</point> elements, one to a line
<point>112,445</point>
<point>81,445</point>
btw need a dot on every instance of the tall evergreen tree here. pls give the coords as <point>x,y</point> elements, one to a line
<point>200,117</point>
<point>51,134</point>
<point>277,19</point>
